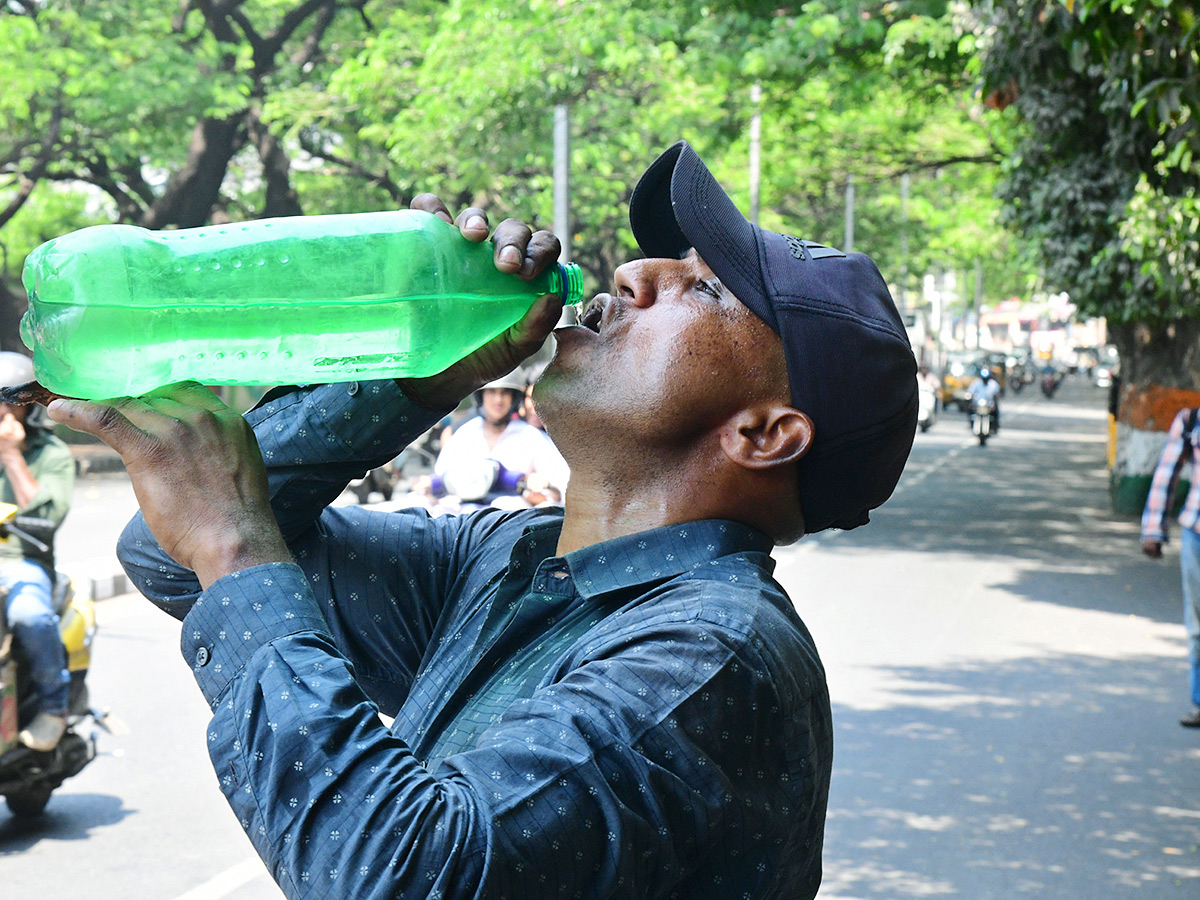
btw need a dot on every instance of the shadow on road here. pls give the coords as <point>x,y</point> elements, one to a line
<point>975,785</point>
<point>1038,493</point>
<point>68,817</point>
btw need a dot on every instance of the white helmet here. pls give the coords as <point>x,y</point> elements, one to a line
<point>15,368</point>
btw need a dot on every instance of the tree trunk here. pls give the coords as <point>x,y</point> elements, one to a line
<point>13,304</point>
<point>1160,375</point>
<point>194,190</point>
<point>277,168</point>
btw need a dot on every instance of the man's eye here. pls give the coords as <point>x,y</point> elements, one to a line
<point>711,289</point>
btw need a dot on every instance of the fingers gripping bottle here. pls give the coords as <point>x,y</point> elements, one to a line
<point>117,310</point>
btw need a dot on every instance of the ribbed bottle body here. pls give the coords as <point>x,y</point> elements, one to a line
<point>118,310</point>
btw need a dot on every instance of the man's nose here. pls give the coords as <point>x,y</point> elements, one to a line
<point>638,282</point>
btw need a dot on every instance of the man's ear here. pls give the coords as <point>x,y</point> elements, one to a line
<point>765,436</point>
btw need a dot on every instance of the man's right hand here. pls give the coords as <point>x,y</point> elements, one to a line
<point>1152,548</point>
<point>519,251</point>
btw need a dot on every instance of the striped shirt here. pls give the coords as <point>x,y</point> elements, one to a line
<point>1166,475</point>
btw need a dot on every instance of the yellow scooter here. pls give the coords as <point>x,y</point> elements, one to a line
<point>27,777</point>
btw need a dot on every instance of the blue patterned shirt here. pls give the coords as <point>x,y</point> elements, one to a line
<point>646,717</point>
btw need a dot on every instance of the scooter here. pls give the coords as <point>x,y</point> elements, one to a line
<point>28,777</point>
<point>983,418</point>
<point>1050,382</point>
<point>926,406</point>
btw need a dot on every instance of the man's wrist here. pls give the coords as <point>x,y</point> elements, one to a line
<point>237,551</point>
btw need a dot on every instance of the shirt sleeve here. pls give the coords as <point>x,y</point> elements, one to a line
<point>612,780</point>
<point>313,441</point>
<point>1162,484</point>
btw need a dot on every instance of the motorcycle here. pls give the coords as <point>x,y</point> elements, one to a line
<point>926,406</point>
<point>28,777</point>
<point>1050,382</point>
<point>983,418</point>
<point>481,483</point>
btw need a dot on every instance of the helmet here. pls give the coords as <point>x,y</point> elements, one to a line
<point>15,368</point>
<point>513,381</point>
<point>985,373</point>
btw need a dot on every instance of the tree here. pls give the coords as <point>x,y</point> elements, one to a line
<point>1106,96</point>
<point>871,92</point>
<point>243,108</point>
<point>1107,100</point>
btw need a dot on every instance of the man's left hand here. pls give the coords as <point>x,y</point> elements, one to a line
<point>196,471</point>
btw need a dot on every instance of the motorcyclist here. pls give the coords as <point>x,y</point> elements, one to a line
<point>497,433</point>
<point>38,476</point>
<point>987,387</point>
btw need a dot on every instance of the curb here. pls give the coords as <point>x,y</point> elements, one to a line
<point>105,587</point>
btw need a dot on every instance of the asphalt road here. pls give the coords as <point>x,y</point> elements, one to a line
<point>1006,671</point>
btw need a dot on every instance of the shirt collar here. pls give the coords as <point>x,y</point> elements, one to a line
<point>662,553</point>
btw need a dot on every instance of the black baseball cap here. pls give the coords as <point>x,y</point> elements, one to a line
<point>850,366</point>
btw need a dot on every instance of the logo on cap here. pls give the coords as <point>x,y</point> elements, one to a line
<point>801,249</point>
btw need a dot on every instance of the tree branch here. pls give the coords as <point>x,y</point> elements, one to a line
<point>311,48</point>
<point>380,179</point>
<point>272,45</point>
<point>28,180</point>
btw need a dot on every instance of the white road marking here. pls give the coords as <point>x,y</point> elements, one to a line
<point>221,886</point>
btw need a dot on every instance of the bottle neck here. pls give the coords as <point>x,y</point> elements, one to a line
<point>566,280</point>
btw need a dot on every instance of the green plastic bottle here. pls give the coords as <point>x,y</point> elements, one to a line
<point>116,310</point>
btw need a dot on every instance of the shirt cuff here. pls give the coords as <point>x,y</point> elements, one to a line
<point>241,613</point>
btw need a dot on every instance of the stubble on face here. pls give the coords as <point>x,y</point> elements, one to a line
<point>659,379</point>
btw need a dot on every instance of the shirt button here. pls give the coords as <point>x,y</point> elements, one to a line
<point>353,388</point>
<point>202,657</point>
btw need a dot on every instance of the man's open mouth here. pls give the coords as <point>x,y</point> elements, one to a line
<point>591,316</point>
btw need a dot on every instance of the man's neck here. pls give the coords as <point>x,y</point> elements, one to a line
<point>600,508</point>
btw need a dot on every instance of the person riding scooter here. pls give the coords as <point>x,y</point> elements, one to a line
<point>37,474</point>
<point>988,388</point>
<point>528,469</point>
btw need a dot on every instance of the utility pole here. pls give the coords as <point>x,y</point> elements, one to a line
<point>978,300</point>
<point>848,241</point>
<point>562,178</point>
<point>903,242</point>
<point>562,191</point>
<point>755,149</point>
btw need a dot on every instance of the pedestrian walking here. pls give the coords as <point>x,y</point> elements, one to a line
<point>1181,447</point>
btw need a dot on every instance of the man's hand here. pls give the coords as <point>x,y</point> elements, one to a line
<point>197,474</point>
<point>521,252</point>
<point>1152,548</point>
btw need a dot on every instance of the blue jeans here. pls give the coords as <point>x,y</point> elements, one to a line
<point>35,625</point>
<point>1189,562</point>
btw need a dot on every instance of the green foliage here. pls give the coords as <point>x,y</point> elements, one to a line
<point>1103,180</point>
<point>385,99</point>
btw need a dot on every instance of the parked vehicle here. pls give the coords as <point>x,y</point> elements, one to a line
<point>1107,368</point>
<point>28,777</point>
<point>927,404</point>
<point>983,418</point>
